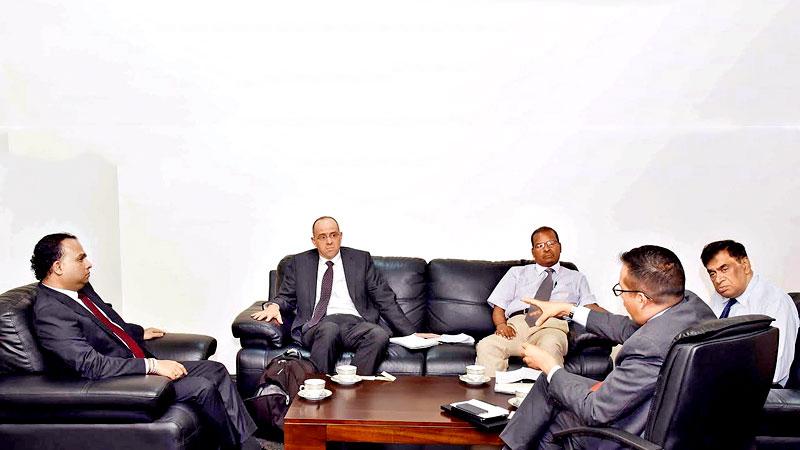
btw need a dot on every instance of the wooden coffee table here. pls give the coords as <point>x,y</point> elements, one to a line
<point>405,411</point>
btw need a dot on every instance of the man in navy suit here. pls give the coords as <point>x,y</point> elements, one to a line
<point>337,296</point>
<point>82,334</point>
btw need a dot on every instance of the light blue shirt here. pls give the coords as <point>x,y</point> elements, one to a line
<point>763,297</point>
<point>523,282</point>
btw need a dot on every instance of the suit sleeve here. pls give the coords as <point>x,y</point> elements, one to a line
<point>286,298</point>
<point>625,389</point>
<point>611,326</point>
<point>60,333</point>
<point>379,290</point>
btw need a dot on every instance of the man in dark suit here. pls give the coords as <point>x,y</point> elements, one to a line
<point>84,335</point>
<point>337,297</point>
<point>651,285</point>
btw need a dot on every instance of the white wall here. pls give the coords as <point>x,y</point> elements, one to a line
<point>429,128</point>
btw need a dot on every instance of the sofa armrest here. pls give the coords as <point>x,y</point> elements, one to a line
<point>33,398</point>
<point>182,347</point>
<point>257,333</point>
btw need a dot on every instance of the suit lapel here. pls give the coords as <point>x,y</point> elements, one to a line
<point>348,266</point>
<point>311,265</point>
<point>81,310</point>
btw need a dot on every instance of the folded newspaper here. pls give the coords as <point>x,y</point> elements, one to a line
<point>413,341</point>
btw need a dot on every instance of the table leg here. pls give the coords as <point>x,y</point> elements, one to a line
<point>304,437</point>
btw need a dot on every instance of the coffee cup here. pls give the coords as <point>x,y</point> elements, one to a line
<point>346,372</point>
<point>521,392</point>
<point>313,387</point>
<point>476,372</point>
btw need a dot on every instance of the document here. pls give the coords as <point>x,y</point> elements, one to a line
<point>513,376</point>
<point>413,341</point>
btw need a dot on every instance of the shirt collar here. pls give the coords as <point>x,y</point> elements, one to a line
<point>540,269</point>
<point>71,294</point>
<point>337,260</point>
<point>748,291</point>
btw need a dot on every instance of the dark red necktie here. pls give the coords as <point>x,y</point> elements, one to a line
<point>324,297</point>
<point>119,332</point>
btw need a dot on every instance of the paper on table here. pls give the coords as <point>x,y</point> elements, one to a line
<point>510,388</point>
<point>460,338</point>
<point>413,341</point>
<point>512,376</point>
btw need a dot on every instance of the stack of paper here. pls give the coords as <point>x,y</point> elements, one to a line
<point>413,341</point>
<point>461,338</point>
<point>513,376</point>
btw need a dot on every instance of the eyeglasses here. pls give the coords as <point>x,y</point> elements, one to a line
<point>324,237</point>
<point>617,290</point>
<point>547,244</point>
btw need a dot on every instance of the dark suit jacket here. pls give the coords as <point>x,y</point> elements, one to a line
<point>623,400</point>
<point>371,295</point>
<point>73,337</point>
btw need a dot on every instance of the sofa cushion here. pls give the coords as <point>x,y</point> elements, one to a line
<point>19,351</point>
<point>406,277</point>
<point>449,359</point>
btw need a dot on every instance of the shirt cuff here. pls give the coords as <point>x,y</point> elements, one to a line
<point>550,375</point>
<point>580,314</point>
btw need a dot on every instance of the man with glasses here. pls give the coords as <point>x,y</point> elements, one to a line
<point>739,291</point>
<point>545,280</point>
<point>337,297</point>
<point>651,285</point>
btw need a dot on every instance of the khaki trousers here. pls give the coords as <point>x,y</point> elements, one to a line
<point>494,350</point>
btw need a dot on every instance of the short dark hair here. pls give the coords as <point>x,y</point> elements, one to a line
<point>320,218</point>
<point>655,270</point>
<point>735,249</point>
<point>542,230</point>
<point>46,252</point>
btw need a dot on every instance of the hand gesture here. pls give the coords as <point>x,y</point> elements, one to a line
<point>537,358</point>
<point>170,369</point>
<point>272,311</point>
<point>152,333</point>
<point>505,331</point>
<point>549,309</point>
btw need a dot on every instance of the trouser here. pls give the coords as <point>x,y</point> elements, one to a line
<point>537,419</point>
<point>338,332</point>
<point>494,350</point>
<point>209,388</point>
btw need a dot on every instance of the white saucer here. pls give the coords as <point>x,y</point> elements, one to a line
<point>514,401</point>
<point>346,381</point>
<point>472,382</point>
<point>325,394</point>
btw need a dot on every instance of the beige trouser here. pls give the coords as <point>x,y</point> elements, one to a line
<point>494,350</point>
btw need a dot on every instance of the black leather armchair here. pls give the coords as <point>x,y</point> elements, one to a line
<point>441,296</point>
<point>779,428</point>
<point>710,391</point>
<point>45,410</point>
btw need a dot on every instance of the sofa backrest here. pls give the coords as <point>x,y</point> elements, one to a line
<point>442,296</point>
<point>19,350</point>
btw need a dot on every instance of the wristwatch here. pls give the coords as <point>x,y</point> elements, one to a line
<point>571,312</point>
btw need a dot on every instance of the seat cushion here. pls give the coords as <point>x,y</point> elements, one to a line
<point>449,359</point>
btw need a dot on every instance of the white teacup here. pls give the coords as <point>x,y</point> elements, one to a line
<point>476,372</point>
<point>313,387</point>
<point>346,372</point>
<point>521,393</point>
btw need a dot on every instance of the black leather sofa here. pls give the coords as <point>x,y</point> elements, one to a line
<point>44,410</point>
<point>440,296</point>
<point>780,423</point>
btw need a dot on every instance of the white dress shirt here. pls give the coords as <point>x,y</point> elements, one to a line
<point>523,281</point>
<point>341,302</point>
<point>763,297</point>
